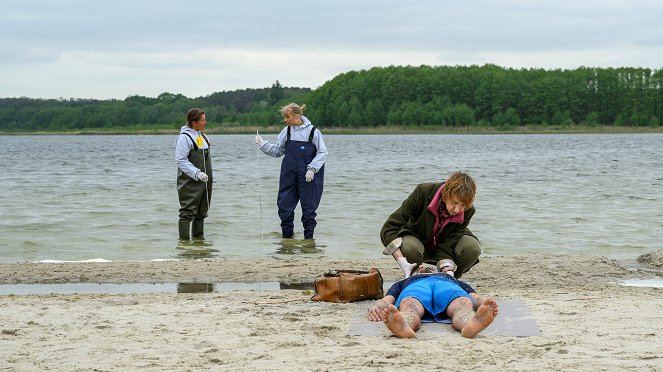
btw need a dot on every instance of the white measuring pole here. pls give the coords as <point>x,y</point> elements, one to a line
<point>262,230</point>
<point>205,170</point>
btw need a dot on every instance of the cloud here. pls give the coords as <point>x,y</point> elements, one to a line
<point>94,49</point>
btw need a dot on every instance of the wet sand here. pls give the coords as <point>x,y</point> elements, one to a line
<point>588,320</point>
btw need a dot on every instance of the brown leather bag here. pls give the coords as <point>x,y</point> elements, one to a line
<point>349,286</point>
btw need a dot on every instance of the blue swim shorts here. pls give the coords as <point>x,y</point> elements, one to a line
<point>435,293</point>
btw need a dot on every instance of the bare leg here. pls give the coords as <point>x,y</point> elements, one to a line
<point>406,322</point>
<point>466,320</point>
<point>396,323</point>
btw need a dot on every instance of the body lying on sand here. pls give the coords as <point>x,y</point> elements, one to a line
<point>432,296</point>
<point>587,319</point>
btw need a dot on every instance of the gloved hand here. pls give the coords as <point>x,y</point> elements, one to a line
<point>259,140</point>
<point>202,177</point>
<point>406,266</point>
<point>309,175</point>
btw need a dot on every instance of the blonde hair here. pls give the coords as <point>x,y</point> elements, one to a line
<point>292,109</point>
<point>461,188</point>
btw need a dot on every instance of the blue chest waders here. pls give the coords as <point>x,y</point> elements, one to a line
<point>293,187</point>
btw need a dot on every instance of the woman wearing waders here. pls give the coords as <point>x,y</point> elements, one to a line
<point>302,169</point>
<point>194,168</point>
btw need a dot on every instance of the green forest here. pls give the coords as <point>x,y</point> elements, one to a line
<point>404,96</point>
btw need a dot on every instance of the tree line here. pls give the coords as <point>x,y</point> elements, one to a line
<point>486,95</point>
<point>490,95</point>
<point>168,110</point>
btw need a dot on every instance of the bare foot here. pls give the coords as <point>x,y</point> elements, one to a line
<point>485,315</point>
<point>396,323</point>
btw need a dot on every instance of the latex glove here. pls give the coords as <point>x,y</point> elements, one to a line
<point>405,266</point>
<point>309,175</point>
<point>447,265</point>
<point>202,177</point>
<point>259,140</point>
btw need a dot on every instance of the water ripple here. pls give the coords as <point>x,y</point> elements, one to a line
<point>114,196</point>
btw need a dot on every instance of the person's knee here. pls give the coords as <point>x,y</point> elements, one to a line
<point>412,249</point>
<point>472,252</point>
<point>463,301</point>
<point>187,215</point>
<point>412,254</point>
<point>458,303</point>
<point>408,301</point>
<point>410,304</point>
<point>286,215</point>
<point>468,249</point>
<point>466,254</point>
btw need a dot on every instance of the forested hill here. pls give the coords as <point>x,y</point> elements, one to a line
<point>490,95</point>
<point>486,95</point>
<point>167,111</point>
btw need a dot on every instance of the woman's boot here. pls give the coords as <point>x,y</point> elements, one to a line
<point>197,228</point>
<point>185,230</point>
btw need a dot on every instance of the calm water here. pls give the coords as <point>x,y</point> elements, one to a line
<point>114,197</point>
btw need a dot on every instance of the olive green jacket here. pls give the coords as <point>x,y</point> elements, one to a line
<point>414,218</point>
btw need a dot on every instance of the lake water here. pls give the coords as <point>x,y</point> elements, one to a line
<point>114,198</point>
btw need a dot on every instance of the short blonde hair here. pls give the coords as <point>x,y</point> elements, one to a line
<point>461,188</point>
<point>292,109</point>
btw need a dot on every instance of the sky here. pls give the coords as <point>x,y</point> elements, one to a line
<point>113,49</point>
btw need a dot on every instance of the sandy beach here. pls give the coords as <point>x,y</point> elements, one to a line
<point>588,320</point>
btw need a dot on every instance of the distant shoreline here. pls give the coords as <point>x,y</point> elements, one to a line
<point>531,129</point>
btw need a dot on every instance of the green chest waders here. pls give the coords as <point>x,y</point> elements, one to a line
<point>194,195</point>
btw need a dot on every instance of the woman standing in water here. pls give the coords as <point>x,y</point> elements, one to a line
<point>302,169</point>
<point>195,178</point>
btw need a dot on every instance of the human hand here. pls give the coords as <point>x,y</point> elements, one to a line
<point>259,140</point>
<point>309,175</point>
<point>375,313</point>
<point>408,268</point>
<point>213,185</point>
<point>202,177</point>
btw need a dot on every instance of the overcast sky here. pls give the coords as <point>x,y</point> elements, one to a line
<point>117,48</point>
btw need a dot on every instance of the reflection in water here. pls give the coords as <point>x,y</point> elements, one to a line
<point>143,288</point>
<point>195,287</point>
<point>296,246</point>
<point>300,285</point>
<point>196,248</point>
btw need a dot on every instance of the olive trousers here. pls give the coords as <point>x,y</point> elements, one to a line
<point>465,254</point>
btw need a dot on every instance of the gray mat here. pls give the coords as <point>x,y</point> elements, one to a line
<point>513,319</point>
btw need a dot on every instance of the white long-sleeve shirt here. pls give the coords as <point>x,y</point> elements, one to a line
<point>299,133</point>
<point>183,146</point>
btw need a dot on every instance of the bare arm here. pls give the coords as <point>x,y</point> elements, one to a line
<point>375,312</point>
